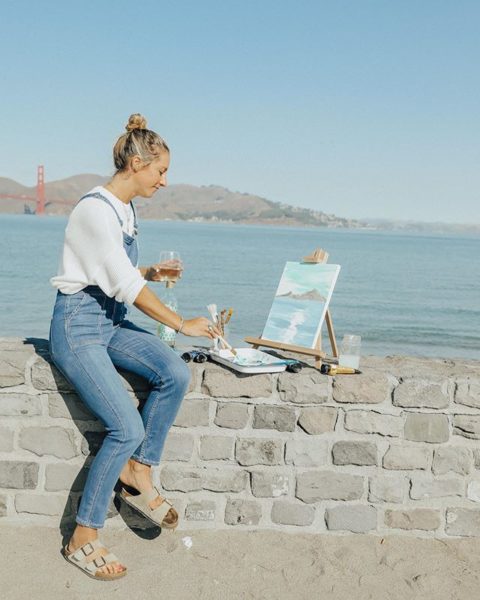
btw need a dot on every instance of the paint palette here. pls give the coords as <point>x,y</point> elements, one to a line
<point>248,360</point>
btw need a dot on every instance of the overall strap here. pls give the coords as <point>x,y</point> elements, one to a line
<point>101,197</point>
<point>135,226</point>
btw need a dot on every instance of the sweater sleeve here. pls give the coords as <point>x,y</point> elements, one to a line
<point>95,237</point>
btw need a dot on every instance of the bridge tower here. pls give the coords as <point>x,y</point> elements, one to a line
<point>40,206</point>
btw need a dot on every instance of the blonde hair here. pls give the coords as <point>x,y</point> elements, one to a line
<point>138,141</point>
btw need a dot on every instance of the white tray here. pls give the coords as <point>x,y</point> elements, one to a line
<point>269,363</point>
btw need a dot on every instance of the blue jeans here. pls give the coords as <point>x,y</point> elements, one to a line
<point>89,337</point>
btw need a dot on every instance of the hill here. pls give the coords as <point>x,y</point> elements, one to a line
<point>177,202</point>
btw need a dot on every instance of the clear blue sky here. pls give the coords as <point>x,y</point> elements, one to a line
<point>363,108</point>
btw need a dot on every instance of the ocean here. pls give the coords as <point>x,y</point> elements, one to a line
<point>414,294</point>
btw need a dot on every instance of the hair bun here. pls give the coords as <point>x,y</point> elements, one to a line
<point>136,121</point>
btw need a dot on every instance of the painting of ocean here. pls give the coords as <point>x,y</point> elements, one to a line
<point>300,303</point>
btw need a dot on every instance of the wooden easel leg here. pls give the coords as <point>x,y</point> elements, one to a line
<point>331,334</point>
<point>318,346</point>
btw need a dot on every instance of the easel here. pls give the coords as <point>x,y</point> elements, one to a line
<point>317,256</point>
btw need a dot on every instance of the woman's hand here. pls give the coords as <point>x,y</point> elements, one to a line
<point>170,269</point>
<point>200,327</point>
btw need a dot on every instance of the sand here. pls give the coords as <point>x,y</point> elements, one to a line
<point>244,565</point>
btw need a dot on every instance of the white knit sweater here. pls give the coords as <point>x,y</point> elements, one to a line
<point>93,252</point>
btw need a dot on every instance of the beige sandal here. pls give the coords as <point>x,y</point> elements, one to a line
<point>141,502</point>
<point>79,559</point>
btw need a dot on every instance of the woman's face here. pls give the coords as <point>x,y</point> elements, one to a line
<point>152,177</point>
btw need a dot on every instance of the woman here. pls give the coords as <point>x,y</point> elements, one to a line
<point>90,337</point>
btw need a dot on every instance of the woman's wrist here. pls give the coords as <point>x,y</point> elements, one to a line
<point>182,323</point>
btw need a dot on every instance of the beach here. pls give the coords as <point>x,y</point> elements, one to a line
<point>224,565</point>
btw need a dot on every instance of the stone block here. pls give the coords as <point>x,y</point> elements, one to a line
<point>268,484</point>
<point>242,512</point>
<point>20,405</point>
<point>216,447</point>
<point>55,441</point>
<point>384,488</point>
<point>193,413</point>
<point>59,477</point>
<point>356,518</point>
<point>259,451</point>
<point>473,491</point>
<point>306,452</point>
<point>369,421</point>
<point>436,488</point>
<point>215,480</point>
<point>68,406</point>
<point>468,392</point>
<point>232,415</point>
<point>421,393</point>
<point>407,457</point>
<point>467,426</point>
<point>178,446</point>
<point>6,439</point>
<point>281,418</point>
<point>195,369</point>
<point>354,453</point>
<point>201,510</point>
<point>292,513</point>
<point>12,367</point>
<point>45,376</point>
<point>3,506</point>
<point>42,504</point>
<point>452,458</point>
<point>182,480</point>
<point>313,486</point>
<point>18,474</point>
<point>222,383</point>
<point>315,421</point>
<point>424,519</point>
<point>426,427</point>
<point>224,480</point>
<point>92,442</point>
<point>463,521</point>
<point>307,387</point>
<point>368,388</point>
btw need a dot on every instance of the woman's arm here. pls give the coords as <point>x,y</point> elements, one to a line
<point>151,305</point>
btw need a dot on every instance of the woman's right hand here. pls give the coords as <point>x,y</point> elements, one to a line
<point>200,327</point>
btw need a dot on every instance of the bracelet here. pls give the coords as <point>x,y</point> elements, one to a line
<point>179,330</point>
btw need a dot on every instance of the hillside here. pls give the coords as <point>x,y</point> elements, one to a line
<point>177,202</point>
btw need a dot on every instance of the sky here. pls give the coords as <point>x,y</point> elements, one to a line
<point>361,108</point>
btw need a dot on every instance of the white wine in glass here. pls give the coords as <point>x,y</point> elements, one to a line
<point>170,267</point>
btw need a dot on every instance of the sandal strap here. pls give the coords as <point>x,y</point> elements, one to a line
<point>80,556</point>
<point>99,562</point>
<point>85,550</point>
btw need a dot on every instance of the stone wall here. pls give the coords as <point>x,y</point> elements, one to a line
<point>392,450</point>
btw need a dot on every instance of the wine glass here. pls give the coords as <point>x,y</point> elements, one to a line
<point>170,266</point>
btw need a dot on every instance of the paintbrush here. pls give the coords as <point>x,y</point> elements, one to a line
<point>212,309</point>
<point>227,345</point>
<point>222,321</point>
<point>229,315</point>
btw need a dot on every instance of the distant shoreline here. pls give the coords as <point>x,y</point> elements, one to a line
<point>445,229</point>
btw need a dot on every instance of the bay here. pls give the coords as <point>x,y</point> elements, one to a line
<point>413,294</point>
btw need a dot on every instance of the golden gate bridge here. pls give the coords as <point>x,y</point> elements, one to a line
<point>39,198</point>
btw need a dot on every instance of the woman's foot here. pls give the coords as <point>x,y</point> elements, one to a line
<point>81,536</point>
<point>139,476</point>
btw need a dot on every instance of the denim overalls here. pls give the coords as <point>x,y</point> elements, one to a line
<point>89,338</point>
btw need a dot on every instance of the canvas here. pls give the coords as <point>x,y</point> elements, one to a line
<point>300,303</point>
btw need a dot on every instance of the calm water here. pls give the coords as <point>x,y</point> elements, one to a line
<point>404,294</point>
